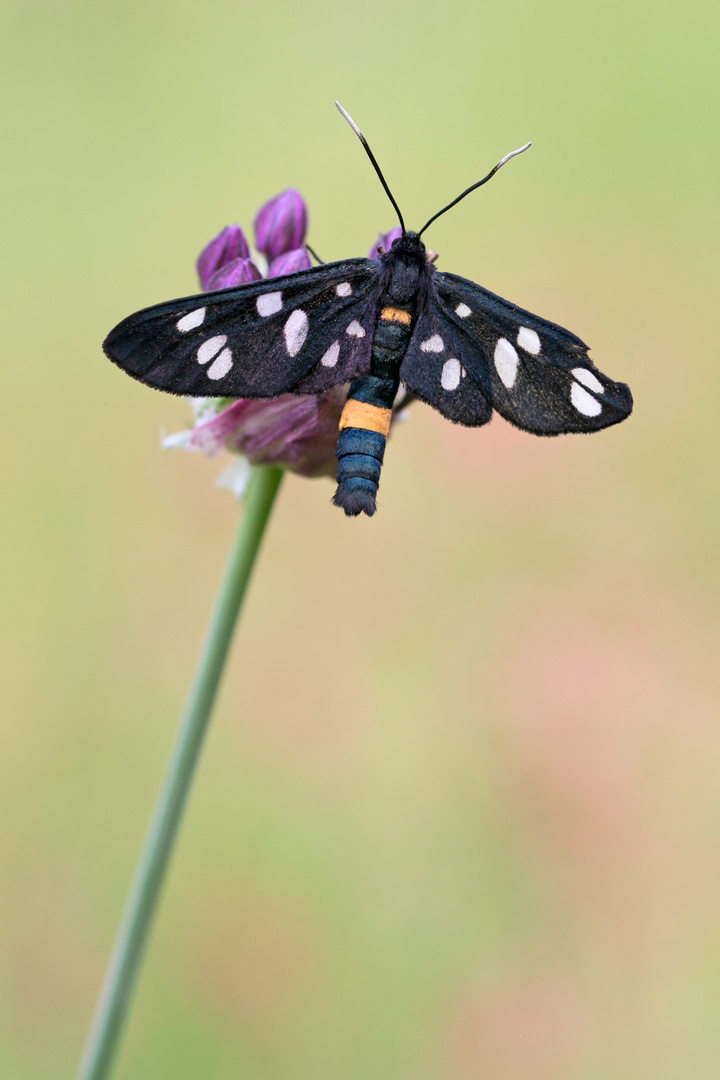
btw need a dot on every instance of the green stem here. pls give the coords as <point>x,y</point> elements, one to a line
<point>121,974</point>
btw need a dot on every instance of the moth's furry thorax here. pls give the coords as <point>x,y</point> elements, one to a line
<point>406,267</point>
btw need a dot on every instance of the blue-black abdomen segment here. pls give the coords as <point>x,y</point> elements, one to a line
<point>360,454</point>
<point>366,417</point>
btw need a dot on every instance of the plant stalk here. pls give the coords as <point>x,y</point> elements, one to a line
<point>123,967</point>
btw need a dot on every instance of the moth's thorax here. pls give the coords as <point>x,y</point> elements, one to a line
<point>407,265</point>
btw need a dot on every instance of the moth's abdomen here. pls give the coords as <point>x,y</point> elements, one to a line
<point>360,453</point>
<point>365,422</point>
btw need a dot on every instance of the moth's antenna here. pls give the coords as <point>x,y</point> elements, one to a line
<point>376,167</point>
<point>512,154</point>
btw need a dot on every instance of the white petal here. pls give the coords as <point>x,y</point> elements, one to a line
<point>203,407</point>
<point>179,440</point>
<point>236,477</point>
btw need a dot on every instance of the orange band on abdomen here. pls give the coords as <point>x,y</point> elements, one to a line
<point>368,417</point>
<point>395,314</point>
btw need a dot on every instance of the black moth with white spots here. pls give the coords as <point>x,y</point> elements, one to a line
<point>469,352</point>
<point>374,323</point>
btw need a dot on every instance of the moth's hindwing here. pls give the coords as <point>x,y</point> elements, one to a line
<point>303,332</point>
<point>434,369</point>
<point>534,373</point>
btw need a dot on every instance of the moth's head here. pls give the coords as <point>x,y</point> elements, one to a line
<point>409,243</point>
<point>407,263</point>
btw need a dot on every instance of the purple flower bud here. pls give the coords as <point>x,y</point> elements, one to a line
<point>281,224</point>
<point>290,263</point>
<point>228,245</point>
<point>384,240</point>
<point>237,272</point>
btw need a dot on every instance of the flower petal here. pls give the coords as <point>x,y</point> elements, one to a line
<point>281,224</point>
<point>290,263</point>
<point>237,272</point>
<point>235,477</point>
<point>210,435</point>
<point>228,245</point>
<point>179,440</point>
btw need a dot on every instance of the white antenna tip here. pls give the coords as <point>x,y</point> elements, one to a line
<point>512,154</point>
<point>349,119</point>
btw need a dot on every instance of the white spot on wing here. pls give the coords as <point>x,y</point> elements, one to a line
<point>345,289</point>
<point>433,344</point>
<point>588,379</point>
<point>210,348</point>
<point>506,362</point>
<point>330,358</point>
<point>451,374</point>
<point>191,320</point>
<point>528,340</point>
<point>463,311</point>
<point>269,303</point>
<point>220,365</point>
<point>584,403</point>
<point>355,329</point>
<point>295,331</point>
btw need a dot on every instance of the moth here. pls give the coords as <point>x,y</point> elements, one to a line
<point>375,324</point>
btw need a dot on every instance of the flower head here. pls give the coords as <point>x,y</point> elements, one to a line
<point>281,224</point>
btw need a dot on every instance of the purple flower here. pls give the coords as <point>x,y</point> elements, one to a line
<point>290,263</point>
<point>281,224</point>
<point>297,432</point>
<point>384,240</point>
<point>237,272</point>
<point>228,245</point>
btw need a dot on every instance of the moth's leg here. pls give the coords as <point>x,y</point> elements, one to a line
<point>320,262</point>
<point>365,421</point>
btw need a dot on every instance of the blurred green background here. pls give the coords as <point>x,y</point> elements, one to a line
<point>464,827</point>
